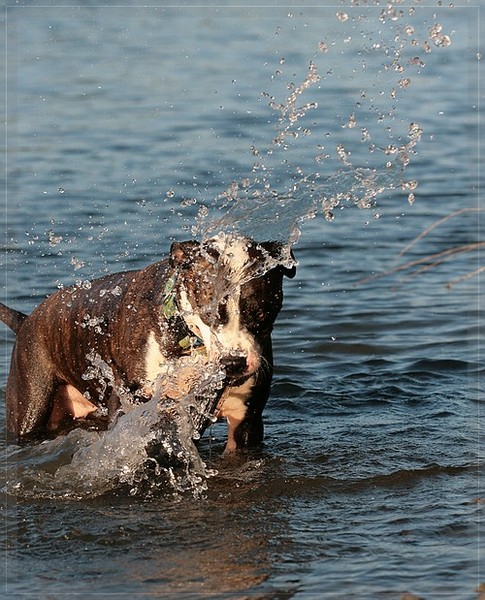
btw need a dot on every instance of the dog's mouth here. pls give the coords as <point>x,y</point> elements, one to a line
<point>235,365</point>
<point>239,362</point>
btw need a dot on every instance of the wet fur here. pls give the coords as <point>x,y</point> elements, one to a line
<point>119,319</point>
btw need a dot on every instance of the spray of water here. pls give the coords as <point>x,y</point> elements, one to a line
<point>278,195</point>
<point>151,446</point>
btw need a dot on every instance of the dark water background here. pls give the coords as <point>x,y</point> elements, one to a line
<point>122,123</point>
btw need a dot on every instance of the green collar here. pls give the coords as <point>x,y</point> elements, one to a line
<point>190,342</point>
<point>169,299</point>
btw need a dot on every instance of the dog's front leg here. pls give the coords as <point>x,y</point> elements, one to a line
<point>243,412</point>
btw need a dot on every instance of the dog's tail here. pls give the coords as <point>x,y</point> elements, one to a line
<point>12,318</point>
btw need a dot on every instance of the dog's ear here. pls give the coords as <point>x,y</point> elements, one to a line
<point>290,272</point>
<point>275,250</point>
<point>183,253</point>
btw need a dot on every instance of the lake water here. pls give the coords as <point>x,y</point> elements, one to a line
<point>125,127</point>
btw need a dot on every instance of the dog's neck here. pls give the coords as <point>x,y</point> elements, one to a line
<point>188,340</point>
<point>168,297</point>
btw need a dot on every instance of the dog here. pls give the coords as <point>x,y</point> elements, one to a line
<point>221,295</point>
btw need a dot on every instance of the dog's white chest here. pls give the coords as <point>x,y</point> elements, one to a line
<point>154,358</point>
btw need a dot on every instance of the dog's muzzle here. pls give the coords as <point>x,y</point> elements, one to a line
<point>235,365</point>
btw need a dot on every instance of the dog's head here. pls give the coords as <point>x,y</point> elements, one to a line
<point>229,291</point>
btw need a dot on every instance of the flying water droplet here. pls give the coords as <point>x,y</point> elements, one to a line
<point>54,239</point>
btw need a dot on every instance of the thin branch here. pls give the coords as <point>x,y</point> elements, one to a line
<point>443,256</point>
<point>469,275</point>
<point>437,224</point>
<point>433,259</point>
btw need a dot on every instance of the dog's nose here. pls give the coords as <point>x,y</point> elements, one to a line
<point>234,364</point>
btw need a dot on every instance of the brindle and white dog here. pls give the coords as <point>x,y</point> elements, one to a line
<point>224,294</point>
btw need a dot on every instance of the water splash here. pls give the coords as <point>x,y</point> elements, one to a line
<point>151,448</point>
<point>378,145</point>
<point>277,216</point>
